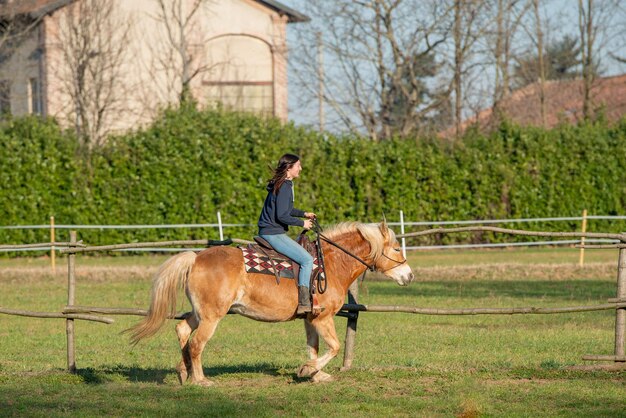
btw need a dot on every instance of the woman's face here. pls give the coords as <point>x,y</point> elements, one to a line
<point>294,171</point>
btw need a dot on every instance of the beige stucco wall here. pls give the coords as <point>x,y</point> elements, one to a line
<point>232,40</point>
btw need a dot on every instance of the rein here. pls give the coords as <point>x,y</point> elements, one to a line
<point>370,267</point>
<point>318,230</point>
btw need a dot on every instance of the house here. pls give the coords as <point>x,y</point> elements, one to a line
<point>563,103</point>
<point>115,63</point>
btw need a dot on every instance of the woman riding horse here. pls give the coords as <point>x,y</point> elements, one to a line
<point>276,216</point>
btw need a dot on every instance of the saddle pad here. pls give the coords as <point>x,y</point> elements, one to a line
<point>260,264</point>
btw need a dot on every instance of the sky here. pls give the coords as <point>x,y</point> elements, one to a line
<point>562,16</point>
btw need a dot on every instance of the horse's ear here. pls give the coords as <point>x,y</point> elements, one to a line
<point>384,229</point>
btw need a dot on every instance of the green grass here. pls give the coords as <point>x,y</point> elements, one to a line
<point>405,365</point>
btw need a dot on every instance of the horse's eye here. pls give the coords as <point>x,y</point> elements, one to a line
<point>397,250</point>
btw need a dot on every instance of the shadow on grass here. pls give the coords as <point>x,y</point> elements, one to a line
<point>570,290</point>
<point>63,397</point>
<point>260,368</point>
<point>132,373</point>
<point>156,375</point>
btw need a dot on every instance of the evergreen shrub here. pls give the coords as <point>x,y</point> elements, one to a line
<point>190,164</point>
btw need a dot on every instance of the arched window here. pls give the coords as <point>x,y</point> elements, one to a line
<point>240,75</point>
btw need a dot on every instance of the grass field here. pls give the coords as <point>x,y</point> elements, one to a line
<point>405,365</point>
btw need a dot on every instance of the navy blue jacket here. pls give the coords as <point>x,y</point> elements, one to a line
<point>278,211</point>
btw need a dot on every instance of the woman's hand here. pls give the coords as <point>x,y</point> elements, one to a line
<point>308,224</point>
<point>309,215</point>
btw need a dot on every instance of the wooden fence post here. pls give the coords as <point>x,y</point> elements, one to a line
<point>71,289</point>
<point>581,260</point>
<point>620,315</point>
<point>353,317</point>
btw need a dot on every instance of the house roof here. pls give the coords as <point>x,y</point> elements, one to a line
<point>34,8</point>
<point>293,15</point>
<point>39,8</point>
<point>564,103</point>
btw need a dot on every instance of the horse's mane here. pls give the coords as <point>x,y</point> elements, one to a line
<point>371,233</point>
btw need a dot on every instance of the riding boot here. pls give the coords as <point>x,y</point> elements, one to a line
<point>304,300</point>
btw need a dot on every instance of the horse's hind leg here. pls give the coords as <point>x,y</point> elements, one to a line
<point>313,345</point>
<point>205,331</point>
<point>184,330</point>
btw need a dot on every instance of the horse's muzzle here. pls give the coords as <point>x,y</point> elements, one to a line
<point>407,279</point>
<point>403,275</point>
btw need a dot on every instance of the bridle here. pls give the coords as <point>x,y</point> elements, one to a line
<point>371,267</point>
<point>398,263</point>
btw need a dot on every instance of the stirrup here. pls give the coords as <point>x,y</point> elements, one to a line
<point>316,308</point>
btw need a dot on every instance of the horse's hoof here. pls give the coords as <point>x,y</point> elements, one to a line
<point>306,371</point>
<point>204,382</point>
<point>320,377</point>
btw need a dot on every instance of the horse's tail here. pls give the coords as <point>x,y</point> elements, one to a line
<point>175,271</point>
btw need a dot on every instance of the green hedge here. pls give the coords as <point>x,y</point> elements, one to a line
<point>190,164</point>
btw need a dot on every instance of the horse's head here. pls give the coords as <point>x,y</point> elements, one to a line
<point>390,260</point>
<point>384,254</point>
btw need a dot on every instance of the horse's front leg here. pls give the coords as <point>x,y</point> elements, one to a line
<point>325,327</point>
<point>313,345</point>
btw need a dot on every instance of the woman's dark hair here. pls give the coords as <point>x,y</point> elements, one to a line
<point>280,172</point>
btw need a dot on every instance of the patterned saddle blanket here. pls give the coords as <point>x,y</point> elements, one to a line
<point>259,259</point>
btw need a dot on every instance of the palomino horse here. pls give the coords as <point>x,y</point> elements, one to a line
<point>215,282</point>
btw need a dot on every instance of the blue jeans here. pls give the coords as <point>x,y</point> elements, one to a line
<point>285,245</point>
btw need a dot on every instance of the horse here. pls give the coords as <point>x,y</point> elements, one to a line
<point>215,281</point>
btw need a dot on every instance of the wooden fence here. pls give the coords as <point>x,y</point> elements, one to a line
<point>352,309</point>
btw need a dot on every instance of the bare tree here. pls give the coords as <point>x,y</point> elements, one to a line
<point>467,29</point>
<point>594,22</point>
<point>18,26</point>
<point>587,37</point>
<point>15,26</point>
<point>508,17</point>
<point>381,76</point>
<point>393,66</point>
<point>561,60</point>
<point>92,37</point>
<point>540,55</point>
<point>620,34</point>
<point>537,29</point>
<point>178,53</point>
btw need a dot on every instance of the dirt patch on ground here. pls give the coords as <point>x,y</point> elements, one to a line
<point>521,381</point>
<point>512,271</point>
<point>89,273</point>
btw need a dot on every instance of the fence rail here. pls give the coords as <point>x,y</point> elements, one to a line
<point>402,224</point>
<point>392,223</point>
<point>68,315</point>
